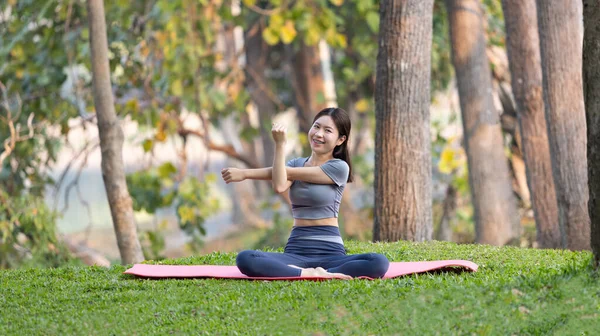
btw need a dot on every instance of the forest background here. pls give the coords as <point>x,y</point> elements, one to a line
<point>196,86</point>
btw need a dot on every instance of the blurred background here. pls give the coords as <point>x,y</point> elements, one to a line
<point>197,84</point>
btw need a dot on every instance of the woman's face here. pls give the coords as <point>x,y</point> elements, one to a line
<point>324,136</point>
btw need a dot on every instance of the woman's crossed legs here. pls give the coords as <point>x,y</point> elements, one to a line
<point>272,264</point>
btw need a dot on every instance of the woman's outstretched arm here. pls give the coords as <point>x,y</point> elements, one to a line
<point>306,174</point>
<point>238,175</point>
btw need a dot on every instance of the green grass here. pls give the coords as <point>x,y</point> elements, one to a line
<point>516,291</point>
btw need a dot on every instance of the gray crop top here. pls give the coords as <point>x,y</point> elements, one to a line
<point>316,201</point>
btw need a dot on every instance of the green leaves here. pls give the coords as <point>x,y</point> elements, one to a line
<point>160,188</point>
<point>372,18</point>
<point>194,204</point>
<point>249,2</point>
<point>186,214</point>
<point>177,87</point>
<point>166,170</point>
<point>27,224</point>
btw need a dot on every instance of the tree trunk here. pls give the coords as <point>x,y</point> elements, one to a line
<point>308,83</point>
<point>496,220</point>
<point>403,198</point>
<point>257,53</point>
<point>111,140</point>
<point>444,232</point>
<point>509,121</point>
<point>591,85</point>
<point>559,25</point>
<point>526,80</point>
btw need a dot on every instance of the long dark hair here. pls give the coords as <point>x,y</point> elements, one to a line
<point>341,119</point>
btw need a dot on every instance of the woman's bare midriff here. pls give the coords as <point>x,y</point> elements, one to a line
<point>314,222</point>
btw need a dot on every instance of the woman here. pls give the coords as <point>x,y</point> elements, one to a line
<point>315,247</point>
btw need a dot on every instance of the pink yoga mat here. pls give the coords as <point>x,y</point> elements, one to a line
<point>232,272</point>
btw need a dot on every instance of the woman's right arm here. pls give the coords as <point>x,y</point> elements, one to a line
<point>238,175</point>
<point>279,178</point>
<point>277,174</point>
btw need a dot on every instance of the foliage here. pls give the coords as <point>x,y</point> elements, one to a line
<point>168,60</point>
<point>28,234</point>
<point>163,59</point>
<point>177,61</point>
<point>159,188</point>
<point>515,291</point>
<point>37,84</point>
<point>310,21</point>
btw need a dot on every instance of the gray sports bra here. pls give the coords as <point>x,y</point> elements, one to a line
<point>316,201</point>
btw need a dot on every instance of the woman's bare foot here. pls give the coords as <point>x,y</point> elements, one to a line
<point>320,272</point>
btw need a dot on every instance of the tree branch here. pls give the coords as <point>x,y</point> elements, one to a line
<point>227,149</point>
<point>15,136</point>
<point>90,146</point>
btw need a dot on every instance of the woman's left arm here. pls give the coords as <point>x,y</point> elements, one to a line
<point>331,172</point>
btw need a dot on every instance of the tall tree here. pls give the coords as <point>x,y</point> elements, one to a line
<point>111,139</point>
<point>308,82</point>
<point>559,24</point>
<point>523,48</point>
<point>257,57</point>
<point>496,222</point>
<point>591,85</point>
<point>402,138</point>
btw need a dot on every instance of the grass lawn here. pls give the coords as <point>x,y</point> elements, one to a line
<point>516,291</point>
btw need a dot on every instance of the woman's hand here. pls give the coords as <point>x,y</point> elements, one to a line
<point>278,131</point>
<point>232,175</point>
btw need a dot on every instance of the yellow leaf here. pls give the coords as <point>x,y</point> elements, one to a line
<point>249,3</point>
<point>288,32</point>
<point>275,21</point>
<point>451,159</point>
<point>186,213</point>
<point>177,87</point>
<point>341,40</point>
<point>160,135</point>
<point>210,178</point>
<point>19,73</point>
<point>270,36</point>
<point>161,37</point>
<point>132,105</point>
<point>17,52</point>
<point>312,35</point>
<point>446,158</point>
<point>233,91</point>
<point>337,2</point>
<point>144,50</point>
<point>147,145</point>
<point>303,139</point>
<point>362,105</point>
<point>164,224</point>
<point>331,36</point>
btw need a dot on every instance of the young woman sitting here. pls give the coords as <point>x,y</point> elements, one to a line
<point>316,183</point>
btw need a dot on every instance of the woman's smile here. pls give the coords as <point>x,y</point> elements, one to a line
<point>318,142</point>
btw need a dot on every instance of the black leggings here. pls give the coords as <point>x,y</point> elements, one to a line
<point>272,264</point>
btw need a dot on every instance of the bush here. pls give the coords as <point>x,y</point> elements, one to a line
<point>28,234</point>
